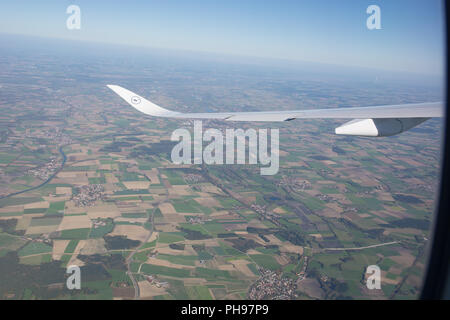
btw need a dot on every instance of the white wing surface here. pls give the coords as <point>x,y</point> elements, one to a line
<point>370,121</point>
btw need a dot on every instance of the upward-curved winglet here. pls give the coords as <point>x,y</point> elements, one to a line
<point>142,104</point>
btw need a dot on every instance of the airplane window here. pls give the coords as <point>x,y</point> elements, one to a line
<point>219,150</point>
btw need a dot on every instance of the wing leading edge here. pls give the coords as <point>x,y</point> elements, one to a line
<point>377,119</point>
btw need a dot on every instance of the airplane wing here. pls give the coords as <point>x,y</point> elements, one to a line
<point>374,121</point>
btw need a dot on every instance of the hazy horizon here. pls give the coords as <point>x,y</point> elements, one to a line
<point>411,38</point>
<point>61,46</point>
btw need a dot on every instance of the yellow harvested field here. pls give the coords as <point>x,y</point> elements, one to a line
<point>110,187</point>
<point>249,199</point>
<point>220,215</point>
<point>64,190</point>
<point>165,263</point>
<point>332,211</point>
<point>11,209</point>
<point>279,210</point>
<point>92,174</point>
<point>291,248</point>
<point>78,179</point>
<point>23,223</point>
<point>115,155</point>
<point>79,246</point>
<point>175,218</point>
<point>274,240</point>
<point>74,261</point>
<point>208,202</point>
<point>72,209</point>
<point>282,260</point>
<point>133,220</point>
<point>395,270</point>
<point>152,175</point>
<point>159,191</point>
<point>335,207</point>
<point>7,217</point>
<point>93,246</point>
<point>58,248</point>
<point>241,266</point>
<point>170,164</point>
<point>57,198</point>
<point>380,221</point>
<point>74,222</point>
<point>67,174</point>
<point>255,223</point>
<point>37,205</point>
<point>405,259</point>
<point>385,196</point>
<point>180,190</point>
<point>130,161</point>
<point>111,178</point>
<point>41,229</point>
<point>188,251</point>
<point>167,208</point>
<point>77,156</point>
<point>153,237</point>
<point>226,267</point>
<point>194,281</point>
<point>86,163</point>
<point>168,227</point>
<point>416,232</point>
<point>136,185</point>
<point>206,242</point>
<point>130,231</point>
<point>103,211</point>
<point>147,290</point>
<point>209,188</point>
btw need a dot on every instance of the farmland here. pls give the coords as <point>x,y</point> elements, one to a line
<point>85,180</point>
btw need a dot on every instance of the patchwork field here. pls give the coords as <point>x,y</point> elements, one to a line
<point>86,180</point>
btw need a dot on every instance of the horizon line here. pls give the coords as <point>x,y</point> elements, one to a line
<point>226,54</point>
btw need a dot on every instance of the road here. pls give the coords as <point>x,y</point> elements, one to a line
<point>130,259</point>
<point>151,219</point>
<point>361,248</point>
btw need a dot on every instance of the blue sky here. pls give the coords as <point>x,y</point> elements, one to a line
<point>324,31</point>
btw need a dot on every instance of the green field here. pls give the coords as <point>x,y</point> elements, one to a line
<point>165,271</point>
<point>34,248</point>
